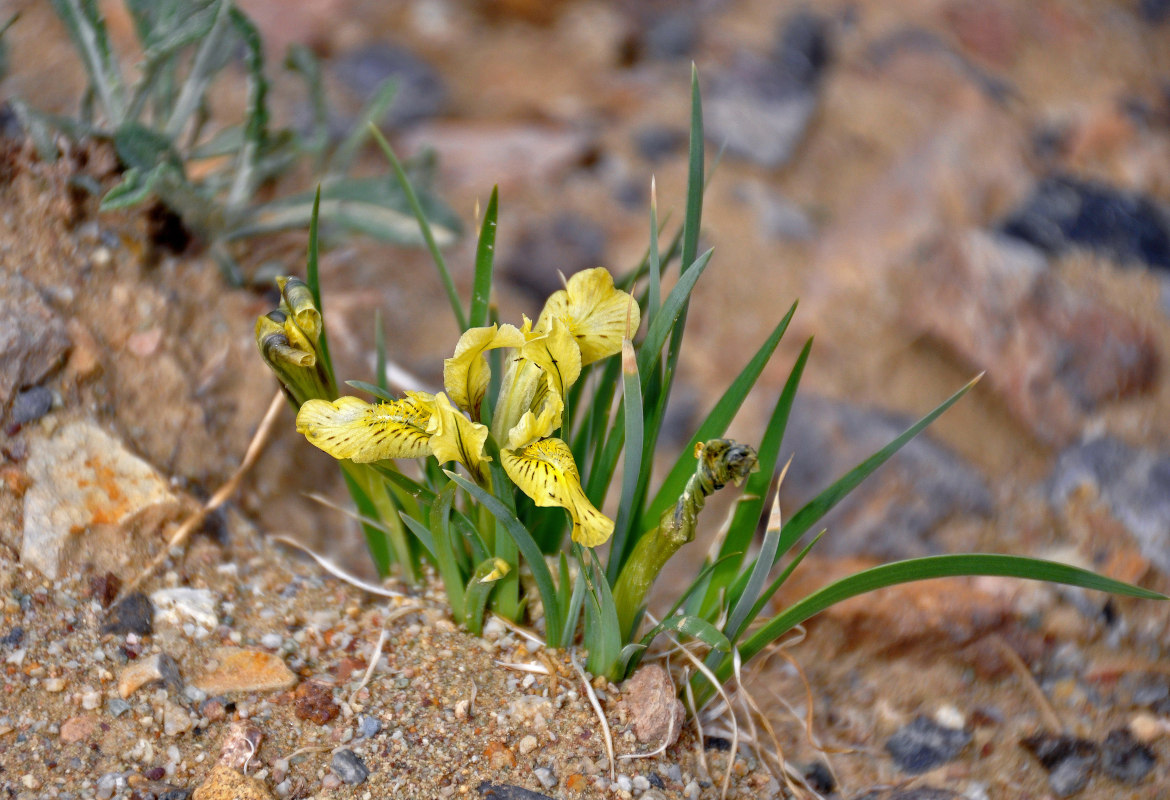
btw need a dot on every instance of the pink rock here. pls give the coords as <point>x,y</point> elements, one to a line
<point>655,710</point>
<point>240,744</point>
<point>76,729</point>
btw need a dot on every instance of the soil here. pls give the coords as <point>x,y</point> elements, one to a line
<point>907,146</point>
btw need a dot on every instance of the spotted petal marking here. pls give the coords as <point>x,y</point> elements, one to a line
<point>546,472</point>
<point>456,438</point>
<point>556,352</point>
<point>596,313</point>
<point>354,429</point>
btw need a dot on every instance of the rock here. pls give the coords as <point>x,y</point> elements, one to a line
<point>368,727</point>
<point>76,729</point>
<point>528,744</point>
<point>819,778</point>
<point>33,341</point>
<point>503,791</point>
<point>1052,355</point>
<point>183,604</point>
<point>760,107</point>
<point>242,670</point>
<point>498,756</point>
<point>31,404</point>
<point>176,720</point>
<point>655,143</point>
<point>1125,759</point>
<point>240,744</point>
<point>134,614</point>
<point>419,89</point>
<point>225,783</point>
<point>545,249</point>
<point>656,713</point>
<point>83,479</point>
<point>924,744</point>
<point>660,33</point>
<point>1154,12</point>
<point>348,767</point>
<point>105,588</point>
<point>1070,761</point>
<point>158,667</point>
<point>895,512</point>
<point>921,793</point>
<point>1133,483</point>
<point>546,776</point>
<point>1065,212</point>
<point>313,701</point>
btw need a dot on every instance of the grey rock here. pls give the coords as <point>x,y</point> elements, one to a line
<point>349,768</point>
<point>566,243</point>
<point>673,34</point>
<point>656,143</point>
<point>420,92</point>
<point>1125,759</point>
<point>894,513</point>
<point>1070,761</point>
<point>368,727</point>
<point>546,776</point>
<point>33,340</point>
<point>920,793</point>
<point>1133,482</point>
<point>12,638</point>
<point>503,791</point>
<point>924,744</point>
<point>116,706</point>
<point>31,404</point>
<point>134,614</point>
<point>760,106</point>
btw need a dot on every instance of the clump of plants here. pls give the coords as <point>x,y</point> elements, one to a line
<point>499,481</point>
<point>160,124</point>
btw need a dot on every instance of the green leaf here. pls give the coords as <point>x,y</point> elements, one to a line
<point>304,62</point>
<point>695,183</point>
<point>444,551</point>
<point>716,423</point>
<point>485,254</point>
<point>87,29</point>
<point>377,540</point>
<point>603,637</point>
<point>374,111</point>
<point>665,319</point>
<point>209,58</point>
<point>816,508</point>
<point>256,126</point>
<point>633,478</point>
<point>528,547</point>
<point>133,189</point>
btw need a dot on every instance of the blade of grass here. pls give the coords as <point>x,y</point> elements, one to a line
<point>527,546</point>
<point>631,473</point>
<point>671,312</point>
<point>424,228</point>
<point>485,254</point>
<point>374,110</point>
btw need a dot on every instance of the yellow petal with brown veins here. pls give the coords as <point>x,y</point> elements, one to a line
<point>466,374</point>
<point>354,429</point>
<point>546,472</point>
<point>596,313</point>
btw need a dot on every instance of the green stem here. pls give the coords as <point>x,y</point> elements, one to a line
<point>721,461</point>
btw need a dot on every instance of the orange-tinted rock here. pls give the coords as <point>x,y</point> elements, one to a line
<point>313,701</point>
<point>499,756</point>
<point>225,783</point>
<point>76,729</point>
<point>242,670</point>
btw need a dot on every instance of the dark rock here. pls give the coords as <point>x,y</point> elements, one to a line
<point>349,768</point>
<point>105,588</point>
<point>896,511</point>
<point>1149,690</point>
<point>673,34</point>
<point>13,638</point>
<point>566,244</point>
<point>656,781</point>
<point>924,744</point>
<point>1051,353</point>
<point>420,92</point>
<point>1070,761</point>
<point>175,794</point>
<point>819,778</point>
<point>31,405</point>
<point>33,340</point>
<point>717,743</point>
<point>1133,483</point>
<point>1065,212</point>
<point>921,793</point>
<point>1154,12</point>
<point>503,791</point>
<point>759,107</point>
<point>658,142</point>
<point>134,614</point>
<point>313,701</point>
<point>1125,759</point>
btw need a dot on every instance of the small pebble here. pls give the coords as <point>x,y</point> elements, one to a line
<point>624,783</point>
<point>924,744</point>
<point>349,768</point>
<point>31,404</point>
<point>691,792</point>
<point>1125,759</point>
<point>271,640</point>
<point>641,783</point>
<point>545,775</point>
<point>55,685</point>
<point>134,614</point>
<point>368,727</point>
<point>528,744</point>
<point>116,706</point>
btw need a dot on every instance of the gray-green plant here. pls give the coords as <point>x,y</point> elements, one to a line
<point>505,528</point>
<point>161,124</point>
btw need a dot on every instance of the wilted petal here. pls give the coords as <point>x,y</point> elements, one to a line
<point>456,438</point>
<point>275,346</point>
<point>354,429</point>
<point>299,299</point>
<point>596,313</point>
<point>466,374</point>
<point>546,472</point>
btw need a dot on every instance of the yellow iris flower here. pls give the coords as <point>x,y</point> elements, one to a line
<point>580,324</point>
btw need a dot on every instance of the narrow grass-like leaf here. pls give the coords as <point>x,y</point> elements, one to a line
<point>377,541</point>
<point>632,475</point>
<point>485,254</point>
<point>203,68</point>
<point>573,613</point>
<point>603,638</point>
<point>918,569</point>
<point>816,508</point>
<point>479,589</point>
<point>256,127</point>
<point>87,29</point>
<point>444,552</point>
<point>424,534</point>
<point>766,596</point>
<point>374,111</point>
<point>695,182</point>
<point>654,261</point>
<point>664,321</point>
<point>745,600</point>
<point>716,423</point>
<point>424,227</point>
<point>527,546</point>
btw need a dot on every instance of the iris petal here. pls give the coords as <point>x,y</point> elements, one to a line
<point>466,374</point>
<point>354,429</point>
<point>546,472</point>
<point>596,313</point>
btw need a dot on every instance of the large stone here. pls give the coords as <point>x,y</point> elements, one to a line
<point>656,712</point>
<point>83,480</point>
<point>33,341</point>
<point>240,670</point>
<point>1053,355</point>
